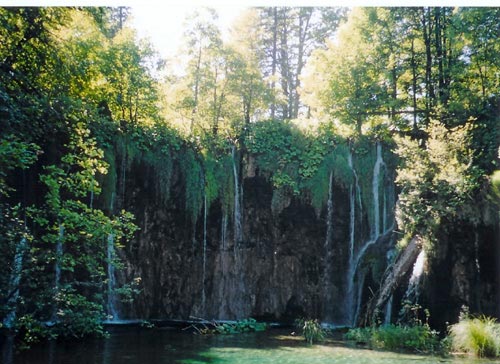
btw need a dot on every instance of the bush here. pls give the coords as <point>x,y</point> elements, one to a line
<point>479,336</point>
<point>246,325</point>
<point>311,330</point>
<point>360,335</point>
<point>416,338</point>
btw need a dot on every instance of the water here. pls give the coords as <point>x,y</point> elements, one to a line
<point>111,304</point>
<point>157,346</point>
<point>59,255</point>
<point>14,283</point>
<point>412,292</point>
<point>327,279</point>
<point>356,181</point>
<point>238,234</point>
<point>375,227</point>
<point>57,268</point>
<point>352,299</point>
<point>203,293</point>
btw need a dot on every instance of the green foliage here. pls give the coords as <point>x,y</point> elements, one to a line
<point>277,146</point>
<point>311,330</point>
<point>246,325</point>
<point>14,154</point>
<point>360,335</point>
<point>495,184</point>
<point>476,335</point>
<point>229,328</point>
<point>415,338</point>
<point>194,184</point>
<point>32,331</point>
<point>77,315</point>
<point>437,180</point>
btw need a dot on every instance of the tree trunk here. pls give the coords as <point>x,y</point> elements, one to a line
<point>274,60</point>
<point>392,278</point>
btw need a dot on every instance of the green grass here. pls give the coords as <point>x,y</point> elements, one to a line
<point>479,336</point>
<point>311,330</point>
<point>415,338</point>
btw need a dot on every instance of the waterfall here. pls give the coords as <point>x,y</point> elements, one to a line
<point>123,175</point>
<point>57,267</point>
<point>388,311</point>
<point>355,313</point>
<point>112,310</point>
<point>59,254</point>
<point>476,251</point>
<point>238,236</point>
<point>15,278</point>
<point>328,250</point>
<point>376,191</point>
<point>412,292</point>
<point>223,232</point>
<point>356,181</point>
<point>329,215</point>
<point>203,293</point>
<point>354,191</point>
<point>374,236</point>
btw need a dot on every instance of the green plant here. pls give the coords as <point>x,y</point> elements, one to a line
<point>415,338</point>
<point>246,325</point>
<point>477,335</point>
<point>311,330</point>
<point>360,335</point>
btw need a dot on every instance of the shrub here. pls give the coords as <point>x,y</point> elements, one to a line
<point>416,338</point>
<point>246,325</point>
<point>360,335</point>
<point>479,336</point>
<point>311,330</point>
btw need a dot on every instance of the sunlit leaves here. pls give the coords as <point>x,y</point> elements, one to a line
<point>437,179</point>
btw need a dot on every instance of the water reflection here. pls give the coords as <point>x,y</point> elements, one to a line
<point>161,346</point>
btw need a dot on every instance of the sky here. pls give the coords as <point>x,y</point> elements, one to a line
<point>163,24</point>
<point>162,21</point>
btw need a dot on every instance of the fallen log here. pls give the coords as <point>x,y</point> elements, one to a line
<point>392,279</point>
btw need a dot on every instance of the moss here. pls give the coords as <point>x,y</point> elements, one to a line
<point>108,181</point>
<point>194,184</point>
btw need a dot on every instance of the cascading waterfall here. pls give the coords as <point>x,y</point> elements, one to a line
<point>388,310</point>
<point>203,293</point>
<point>327,279</point>
<point>329,215</point>
<point>110,251</point>
<point>412,292</point>
<point>57,268</point>
<point>15,278</point>
<point>112,310</point>
<point>356,181</point>
<point>223,230</point>
<point>351,308</point>
<point>388,307</point>
<point>59,254</point>
<point>238,235</point>
<point>354,191</point>
<point>375,228</point>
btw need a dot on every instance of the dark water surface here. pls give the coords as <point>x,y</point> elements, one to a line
<point>169,346</point>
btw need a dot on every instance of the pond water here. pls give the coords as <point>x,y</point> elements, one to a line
<point>167,346</point>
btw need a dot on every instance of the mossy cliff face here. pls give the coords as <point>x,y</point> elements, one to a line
<point>279,256</point>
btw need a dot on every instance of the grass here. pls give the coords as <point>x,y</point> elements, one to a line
<point>311,330</point>
<point>479,336</point>
<point>415,338</point>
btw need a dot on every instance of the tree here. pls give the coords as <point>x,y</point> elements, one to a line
<point>349,82</point>
<point>288,38</point>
